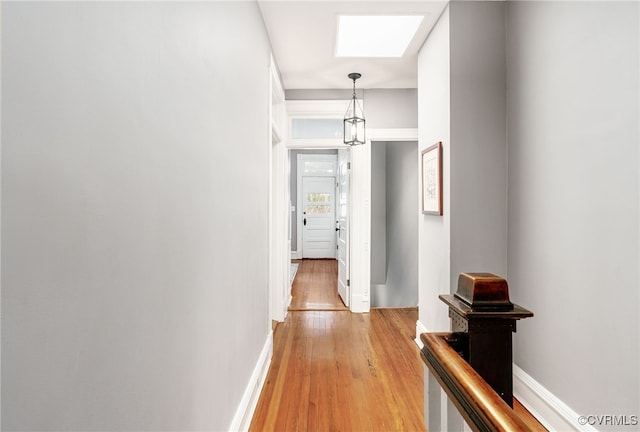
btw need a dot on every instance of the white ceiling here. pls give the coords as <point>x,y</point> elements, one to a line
<point>303,34</point>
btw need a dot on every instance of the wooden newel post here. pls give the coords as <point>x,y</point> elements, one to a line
<point>482,320</point>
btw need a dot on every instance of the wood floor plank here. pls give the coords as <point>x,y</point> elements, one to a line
<point>315,286</point>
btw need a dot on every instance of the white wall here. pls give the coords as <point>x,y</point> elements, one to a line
<point>401,226</point>
<point>321,94</point>
<point>378,216</point>
<point>126,300</point>
<point>478,167</point>
<point>391,108</point>
<point>461,102</point>
<point>434,125</point>
<point>462,99</point>
<point>573,199</point>
<point>572,208</point>
<point>383,108</point>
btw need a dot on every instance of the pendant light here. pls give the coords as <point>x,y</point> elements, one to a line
<point>354,118</point>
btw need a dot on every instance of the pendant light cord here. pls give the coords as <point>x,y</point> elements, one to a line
<point>354,90</point>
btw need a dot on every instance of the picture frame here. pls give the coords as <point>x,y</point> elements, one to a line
<point>431,159</point>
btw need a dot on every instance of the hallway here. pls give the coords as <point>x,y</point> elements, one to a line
<point>147,219</point>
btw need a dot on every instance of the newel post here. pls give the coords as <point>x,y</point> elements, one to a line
<point>482,321</point>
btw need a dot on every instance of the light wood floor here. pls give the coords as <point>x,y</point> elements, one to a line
<point>315,286</point>
<point>338,371</point>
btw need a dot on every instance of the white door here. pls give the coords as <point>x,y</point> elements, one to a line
<point>318,217</point>
<point>342,213</point>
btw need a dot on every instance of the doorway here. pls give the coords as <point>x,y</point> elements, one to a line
<point>314,165</point>
<point>315,191</point>
<point>318,205</point>
<point>395,209</point>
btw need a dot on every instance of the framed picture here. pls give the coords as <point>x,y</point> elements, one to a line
<point>432,180</point>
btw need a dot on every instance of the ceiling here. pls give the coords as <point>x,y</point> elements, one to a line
<point>303,34</point>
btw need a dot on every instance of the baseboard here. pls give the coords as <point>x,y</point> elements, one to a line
<point>242,419</point>
<point>544,405</point>
<point>420,328</point>
<point>359,303</point>
<point>294,255</point>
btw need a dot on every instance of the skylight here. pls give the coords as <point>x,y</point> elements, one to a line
<point>375,36</point>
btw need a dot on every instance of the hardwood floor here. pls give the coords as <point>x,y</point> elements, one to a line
<point>315,286</point>
<point>334,370</point>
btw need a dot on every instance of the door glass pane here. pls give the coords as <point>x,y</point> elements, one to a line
<point>319,197</point>
<point>316,128</point>
<point>318,209</point>
<point>319,167</point>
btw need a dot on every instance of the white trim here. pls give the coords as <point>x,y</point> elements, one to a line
<point>310,144</point>
<point>279,241</point>
<point>276,133</point>
<point>294,254</point>
<point>244,413</point>
<point>546,407</point>
<point>420,328</point>
<point>317,108</point>
<point>327,109</point>
<point>360,229</point>
<point>289,298</point>
<point>400,134</point>
<point>360,233</point>
<point>273,299</point>
<point>359,302</point>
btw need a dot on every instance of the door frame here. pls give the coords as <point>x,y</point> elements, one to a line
<point>300,163</point>
<point>360,200</point>
<point>360,272</point>
<point>278,220</point>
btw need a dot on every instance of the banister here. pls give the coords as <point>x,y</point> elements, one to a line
<point>477,402</point>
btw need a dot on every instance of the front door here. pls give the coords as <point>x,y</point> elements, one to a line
<point>318,217</point>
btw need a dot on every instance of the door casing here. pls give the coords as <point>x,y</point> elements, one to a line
<point>360,202</point>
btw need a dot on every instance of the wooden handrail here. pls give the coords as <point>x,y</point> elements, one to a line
<point>477,402</point>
